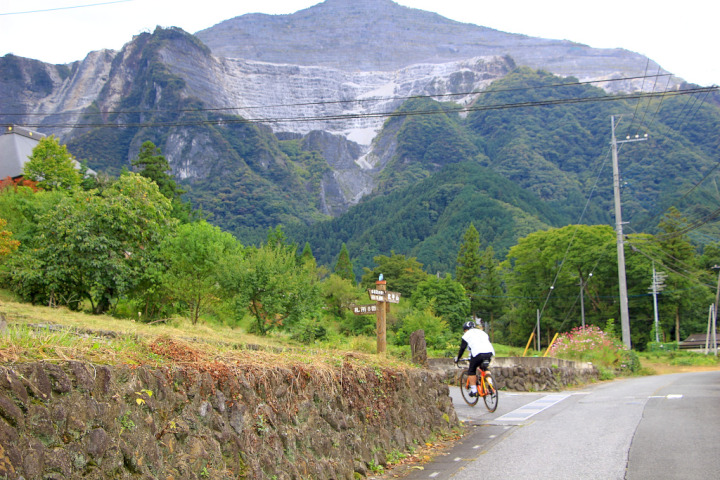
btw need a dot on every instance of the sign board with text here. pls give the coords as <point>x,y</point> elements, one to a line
<point>383,296</point>
<point>365,309</point>
<point>392,297</point>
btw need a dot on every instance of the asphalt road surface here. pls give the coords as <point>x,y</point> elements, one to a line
<point>656,427</point>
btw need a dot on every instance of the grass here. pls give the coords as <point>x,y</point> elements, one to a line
<point>678,361</point>
<point>57,334</point>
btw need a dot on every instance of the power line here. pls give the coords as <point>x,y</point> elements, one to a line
<point>341,102</point>
<point>642,88</point>
<point>642,120</point>
<point>352,116</point>
<point>692,279</point>
<point>64,8</point>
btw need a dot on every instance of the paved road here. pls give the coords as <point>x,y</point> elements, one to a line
<point>656,427</point>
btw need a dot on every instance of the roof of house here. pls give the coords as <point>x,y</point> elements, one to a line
<point>697,340</point>
<point>16,145</point>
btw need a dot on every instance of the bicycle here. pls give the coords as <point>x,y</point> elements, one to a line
<point>485,387</point>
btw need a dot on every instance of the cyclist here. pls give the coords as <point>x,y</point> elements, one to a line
<point>478,343</point>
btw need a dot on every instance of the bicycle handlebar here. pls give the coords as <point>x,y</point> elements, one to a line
<point>467,360</point>
<point>462,360</point>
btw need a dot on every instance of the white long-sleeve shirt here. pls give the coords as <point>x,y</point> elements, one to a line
<point>477,341</point>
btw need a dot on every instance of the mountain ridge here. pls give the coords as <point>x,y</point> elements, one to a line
<point>415,36</point>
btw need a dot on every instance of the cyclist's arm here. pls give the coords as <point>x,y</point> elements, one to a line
<point>463,346</point>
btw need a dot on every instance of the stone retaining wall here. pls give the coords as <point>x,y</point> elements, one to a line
<point>77,420</point>
<point>528,374</point>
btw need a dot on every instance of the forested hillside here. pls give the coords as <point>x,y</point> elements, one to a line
<point>533,152</point>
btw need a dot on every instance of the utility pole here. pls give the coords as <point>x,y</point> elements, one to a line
<point>717,300</point>
<point>657,286</point>
<point>624,312</point>
<point>583,284</point>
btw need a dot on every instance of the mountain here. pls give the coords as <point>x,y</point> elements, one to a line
<point>371,35</point>
<point>294,119</point>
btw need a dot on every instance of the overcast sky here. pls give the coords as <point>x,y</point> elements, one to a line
<point>682,36</point>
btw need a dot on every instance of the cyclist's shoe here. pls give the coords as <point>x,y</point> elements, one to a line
<point>474,394</point>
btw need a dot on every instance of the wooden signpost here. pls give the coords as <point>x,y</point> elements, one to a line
<point>382,299</point>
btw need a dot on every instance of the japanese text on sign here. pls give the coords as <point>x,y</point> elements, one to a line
<point>392,297</point>
<point>365,309</point>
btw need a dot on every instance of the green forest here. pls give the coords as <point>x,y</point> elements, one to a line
<point>499,213</point>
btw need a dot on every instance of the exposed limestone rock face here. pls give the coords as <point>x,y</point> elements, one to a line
<point>288,98</point>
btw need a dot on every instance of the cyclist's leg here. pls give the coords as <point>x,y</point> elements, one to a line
<point>483,362</point>
<point>472,372</point>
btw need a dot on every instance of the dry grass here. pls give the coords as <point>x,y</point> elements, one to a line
<point>57,334</point>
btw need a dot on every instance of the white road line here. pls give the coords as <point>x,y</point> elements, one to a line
<point>434,474</point>
<point>532,408</point>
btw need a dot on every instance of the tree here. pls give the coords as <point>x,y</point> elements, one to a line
<point>469,267</point>
<point>344,267</point>
<point>7,244</point>
<point>558,258</point>
<point>153,165</point>
<point>193,256</point>
<point>52,166</point>
<point>710,256</point>
<point>94,246</point>
<point>340,293</point>
<point>491,300</point>
<point>679,255</point>
<point>446,298</point>
<point>402,273</point>
<point>273,287</point>
<point>435,328</point>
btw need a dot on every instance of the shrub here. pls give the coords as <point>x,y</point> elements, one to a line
<point>436,329</point>
<point>590,344</point>
<point>308,331</point>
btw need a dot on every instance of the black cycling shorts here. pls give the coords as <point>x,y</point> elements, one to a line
<point>477,361</point>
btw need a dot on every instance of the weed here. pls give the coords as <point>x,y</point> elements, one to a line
<point>395,456</point>
<point>261,426</point>
<point>126,422</point>
<point>375,467</point>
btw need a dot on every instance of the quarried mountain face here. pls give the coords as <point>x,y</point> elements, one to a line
<point>369,35</point>
<point>339,112</point>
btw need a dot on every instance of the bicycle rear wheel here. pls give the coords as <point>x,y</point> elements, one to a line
<point>465,390</point>
<point>491,398</point>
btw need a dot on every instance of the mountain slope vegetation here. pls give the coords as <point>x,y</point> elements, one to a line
<point>511,166</point>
